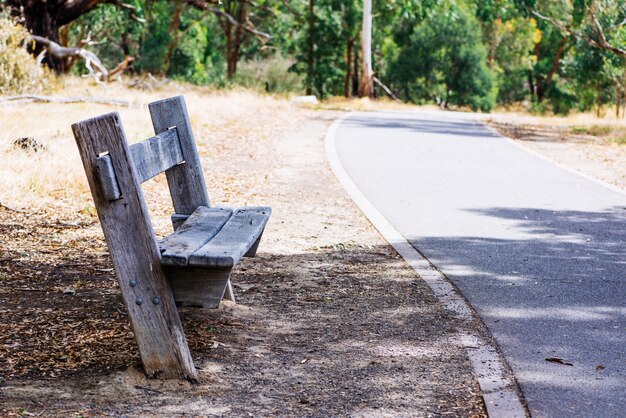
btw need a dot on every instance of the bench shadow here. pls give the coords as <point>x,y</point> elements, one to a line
<point>330,331</point>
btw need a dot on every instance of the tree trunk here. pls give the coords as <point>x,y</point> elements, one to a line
<point>243,13</point>
<point>311,46</point>
<point>366,88</point>
<point>531,83</point>
<point>355,73</point>
<point>543,85</point>
<point>45,18</point>
<point>348,79</point>
<point>174,24</point>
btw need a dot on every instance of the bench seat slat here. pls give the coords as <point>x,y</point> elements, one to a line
<point>157,154</point>
<point>198,229</point>
<point>234,240</point>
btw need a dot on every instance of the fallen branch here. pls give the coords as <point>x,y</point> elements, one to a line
<point>2,205</point>
<point>121,67</point>
<point>387,90</point>
<point>93,64</point>
<point>54,99</point>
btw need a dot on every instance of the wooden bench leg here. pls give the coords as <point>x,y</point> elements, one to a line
<point>252,251</point>
<point>229,294</point>
<point>204,288</point>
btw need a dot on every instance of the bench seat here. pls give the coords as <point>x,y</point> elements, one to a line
<point>215,237</point>
<point>199,256</point>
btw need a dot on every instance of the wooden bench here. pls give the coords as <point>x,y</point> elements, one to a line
<point>190,267</point>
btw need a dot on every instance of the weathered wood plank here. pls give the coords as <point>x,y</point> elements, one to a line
<point>178,220</point>
<point>198,287</point>
<point>134,250</point>
<point>157,154</point>
<point>108,180</point>
<point>186,181</point>
<point>234,240</point>
<point>198,229</point>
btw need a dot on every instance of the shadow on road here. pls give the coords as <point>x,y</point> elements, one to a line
<point>556,288</point>
<point>416,124</point>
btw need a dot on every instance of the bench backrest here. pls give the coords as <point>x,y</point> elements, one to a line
<point>115,172</point>
<point>172,150</point>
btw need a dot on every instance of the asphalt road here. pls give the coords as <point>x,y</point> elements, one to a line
<point>538,251</point>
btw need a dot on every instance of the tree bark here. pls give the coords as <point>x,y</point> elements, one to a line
<point>45,18</point>
<point>348,79</point>
<point>174,24</point>
<point>243,14</point>
<point>355,73</point>
<point>311,49</point>
<point>366,88</point>
<point>543,85</point>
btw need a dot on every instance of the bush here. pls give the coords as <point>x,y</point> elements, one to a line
<point>19,71</point>
<point>444,60</point>
<point>271,75</point>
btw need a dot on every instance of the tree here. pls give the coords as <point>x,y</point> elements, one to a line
<point>366,86</point>
<point>600,23</point>
<point>45,17</point>
<point>443,59</point>
<point>235,18</point>
<point>322,42</point>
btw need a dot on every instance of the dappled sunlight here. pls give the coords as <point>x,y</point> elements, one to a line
<point>404,349</point>
<point>575,313</point>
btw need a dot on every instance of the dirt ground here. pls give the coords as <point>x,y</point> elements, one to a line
<point>329,320</point>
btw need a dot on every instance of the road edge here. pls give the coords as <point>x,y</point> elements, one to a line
<point>520,145</point>
<point>501,396</point>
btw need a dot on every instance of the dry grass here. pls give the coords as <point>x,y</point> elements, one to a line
<point>584,142</point>
<point>581,126</point>
<point>365,104</point>
<point>55,177</point>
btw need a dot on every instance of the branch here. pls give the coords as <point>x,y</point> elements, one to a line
<point>53,99</point>
<point>293,11</point>
<point>600,43</point>
<point>62,52</point>
<point>603,43</point>
<point>204,5</point>
<point>387,90</point>
<point>261,6</point>
<point>559,25</point>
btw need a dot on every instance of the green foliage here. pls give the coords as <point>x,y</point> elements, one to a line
<point>107,27</point>
<point>444,60</point>
<point>195,58</point>
<point>270,74</point>
<point>186,52</point>
<point>321,46</point>
<point>512,57</point>
<point>19,71</point>
<point>473,53</point>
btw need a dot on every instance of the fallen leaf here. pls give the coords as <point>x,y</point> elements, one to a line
<point>559,361</point>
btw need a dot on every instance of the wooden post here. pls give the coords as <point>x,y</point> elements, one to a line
<point>172,112</point>
<point>134,250</point>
